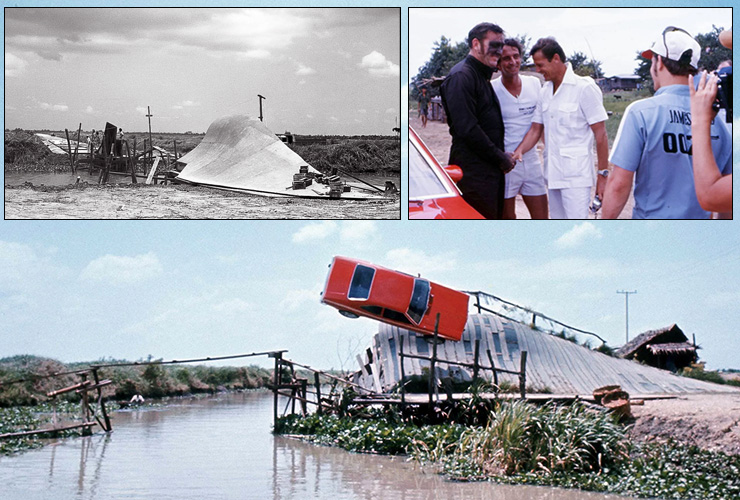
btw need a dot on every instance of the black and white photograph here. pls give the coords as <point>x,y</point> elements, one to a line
<point>252,113</point>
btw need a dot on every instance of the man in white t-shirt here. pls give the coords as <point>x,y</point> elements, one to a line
<point>571,113</point>
<point>518,96</point>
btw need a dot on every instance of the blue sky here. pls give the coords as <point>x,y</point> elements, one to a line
<point>79,291</point>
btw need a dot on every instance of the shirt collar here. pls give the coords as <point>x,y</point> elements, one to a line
<point>570,77</point>
<point>677,89</point>
<point>481,68</point>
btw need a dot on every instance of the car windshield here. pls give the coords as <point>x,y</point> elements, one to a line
<point>423,182</point>
<point>419,300</point>
<point>362,280</point>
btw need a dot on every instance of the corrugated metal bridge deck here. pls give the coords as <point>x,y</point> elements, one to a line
<point>553,364</point>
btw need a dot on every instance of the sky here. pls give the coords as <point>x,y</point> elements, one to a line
<point>81,291</point>
<point>321,70</point>
<point>610,35</point>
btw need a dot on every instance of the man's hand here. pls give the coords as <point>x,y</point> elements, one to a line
<point>509,166</point>
<point>702,98</point>
<point>600,186</point>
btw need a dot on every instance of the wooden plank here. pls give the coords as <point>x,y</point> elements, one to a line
<point>152,171</point>
<point>11,435</point>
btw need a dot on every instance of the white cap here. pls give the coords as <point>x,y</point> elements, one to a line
<point>674,43</point>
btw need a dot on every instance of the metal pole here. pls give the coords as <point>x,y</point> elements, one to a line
<point>626,313</point>
<point>261,97</point>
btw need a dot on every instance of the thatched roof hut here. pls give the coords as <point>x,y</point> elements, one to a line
<point>667,348</point>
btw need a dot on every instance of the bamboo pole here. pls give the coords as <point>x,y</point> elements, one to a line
<point>317,383</point>
<point>523,375</point>
<point>433,368</point>
<point>69,151</point>
<point>107,427</point>
<point>77,147</point>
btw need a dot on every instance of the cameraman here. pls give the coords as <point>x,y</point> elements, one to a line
<point>713,190</point>
<point>653,145</point>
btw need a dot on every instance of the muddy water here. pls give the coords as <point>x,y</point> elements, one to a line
<point>222,448</point>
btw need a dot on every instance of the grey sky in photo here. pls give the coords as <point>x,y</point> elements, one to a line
<point>323,71</point>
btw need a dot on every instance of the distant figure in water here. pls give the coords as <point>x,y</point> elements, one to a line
<point>137,399</point>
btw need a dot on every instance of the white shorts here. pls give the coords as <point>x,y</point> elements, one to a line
<point>526,178</point>
<point>569,203</point>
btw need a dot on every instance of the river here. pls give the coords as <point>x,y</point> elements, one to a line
<point>222,448</point>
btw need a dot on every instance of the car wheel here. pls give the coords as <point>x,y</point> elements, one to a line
<point>348,314</point>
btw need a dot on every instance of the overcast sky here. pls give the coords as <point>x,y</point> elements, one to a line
<point>323,71</point>
<point>610,35</point>
<point>78,291</point>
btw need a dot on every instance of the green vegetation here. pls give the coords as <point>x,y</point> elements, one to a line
<point>697,371</point>
<point>151,381</point>
<point>354,156</point>
<point>567,446</point>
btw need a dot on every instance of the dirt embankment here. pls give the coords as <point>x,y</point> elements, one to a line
<point>709,421</point>
<point>122,201</point>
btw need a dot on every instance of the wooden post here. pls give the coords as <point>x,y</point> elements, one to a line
<point>131,163</point>
<point>523,375</point>
<point>77,147</point>
<point>403,380</point>
<point>317,383</point>
<point>493,368</point>
<point>475,360</point>
<point>149,117</point>
<point>101,403</point>
<point>278,364</point>
<point>175,141</point>
<point>85,407</point>
<point>69,151</point>
<point>304,396</point>
<point>433,368</point>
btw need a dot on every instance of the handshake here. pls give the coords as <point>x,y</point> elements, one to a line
<point>513,158</point>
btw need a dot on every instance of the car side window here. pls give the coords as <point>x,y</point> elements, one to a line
<point>362,280</point>
<point>419,300</point>
<point>395,316</point>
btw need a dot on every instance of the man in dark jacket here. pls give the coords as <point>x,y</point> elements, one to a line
<point>476,125</point>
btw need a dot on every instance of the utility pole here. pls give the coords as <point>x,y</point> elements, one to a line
<point>627,312</point>
<point>261,97</point>
<point>151,145</point>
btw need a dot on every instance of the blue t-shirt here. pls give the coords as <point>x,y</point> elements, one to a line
<point>654,141</point>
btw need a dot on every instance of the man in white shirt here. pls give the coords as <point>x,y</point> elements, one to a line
<point>518,95</point>
<point>571,113</point>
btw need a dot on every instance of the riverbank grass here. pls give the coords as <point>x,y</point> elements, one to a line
<point>566,446</point>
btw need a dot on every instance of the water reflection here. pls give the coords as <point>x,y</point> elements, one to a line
<point>302,470</point>
<point>221,448</point>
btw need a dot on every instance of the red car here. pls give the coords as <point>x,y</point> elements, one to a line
<point>433,193</point>
<point>359,288</point>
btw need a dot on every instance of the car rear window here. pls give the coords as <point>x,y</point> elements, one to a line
<point>362,280</point>
<point>423,182</point>
<point>419,300</point>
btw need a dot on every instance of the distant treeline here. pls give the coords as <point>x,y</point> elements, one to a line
<point>151,380</point>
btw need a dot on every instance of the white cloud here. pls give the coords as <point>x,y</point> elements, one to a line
<point>14,65</point>
<point>89,110</point>
<point>256,54</point>
<point>185,104</point>
<point>358,231</point>
<point>418,262</point>
<point>304,70</point>
<point>578,235</point>
<point>141,109</point>
<point>115,269</point>
<point>314,231</point>
<point>233,306</point>
<point>53,107</point>
<point>362,111</point>
<point>295,299</point>
<point>390,111</point>
<point>377,65</point>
